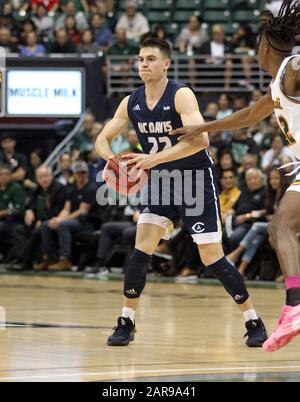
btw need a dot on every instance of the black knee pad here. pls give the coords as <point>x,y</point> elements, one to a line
<point>231,279</point>
<point>135,275</point>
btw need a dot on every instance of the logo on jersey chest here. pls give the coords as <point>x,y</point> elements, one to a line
<point>159,127</point>
<point>277,104</point>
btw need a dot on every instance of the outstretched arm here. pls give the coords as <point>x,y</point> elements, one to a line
<point>115,127</point>
<point>244,118</point>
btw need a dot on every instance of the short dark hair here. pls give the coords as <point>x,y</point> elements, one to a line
<point>227,171</point>
<point>161,44</point>
<point>6,135</point>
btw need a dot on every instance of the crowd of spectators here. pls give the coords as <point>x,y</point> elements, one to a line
<point>42,213</point>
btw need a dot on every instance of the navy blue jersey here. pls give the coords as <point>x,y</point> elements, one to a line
<point>153,127</point>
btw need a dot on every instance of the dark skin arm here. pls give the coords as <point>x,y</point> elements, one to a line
<point>244,118</point>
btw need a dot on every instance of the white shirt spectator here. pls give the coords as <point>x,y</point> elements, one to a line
<point>135,27</point>
<point>269,156</point>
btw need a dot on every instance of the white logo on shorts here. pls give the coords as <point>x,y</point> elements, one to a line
<point>198,227</point>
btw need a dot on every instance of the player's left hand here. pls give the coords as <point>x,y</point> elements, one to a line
<point>189,132</point>
<point>140,162</point>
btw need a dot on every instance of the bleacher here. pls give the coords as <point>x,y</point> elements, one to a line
<point>174,14</point>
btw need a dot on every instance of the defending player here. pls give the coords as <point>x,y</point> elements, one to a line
<point>277,38</point>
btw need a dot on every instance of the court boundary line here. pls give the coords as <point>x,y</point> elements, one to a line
<point>201,370</point>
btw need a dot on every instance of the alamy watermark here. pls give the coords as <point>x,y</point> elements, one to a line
<point>160,188</point>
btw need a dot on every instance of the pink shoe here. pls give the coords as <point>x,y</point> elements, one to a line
<point>287,328</point>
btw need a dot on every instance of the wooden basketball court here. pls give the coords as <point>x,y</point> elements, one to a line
<point>57,328</point>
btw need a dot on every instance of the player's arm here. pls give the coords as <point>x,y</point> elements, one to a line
<point>187,107</point>
<point>244,118</point>
<point>113,128</point>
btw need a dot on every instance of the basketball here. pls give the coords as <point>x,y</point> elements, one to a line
<point>118,178</point>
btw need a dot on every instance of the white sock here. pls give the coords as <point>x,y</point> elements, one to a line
<point>250,315</point>
<point>128,312</point>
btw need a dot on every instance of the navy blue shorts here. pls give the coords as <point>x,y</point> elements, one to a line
<point>192,198</point>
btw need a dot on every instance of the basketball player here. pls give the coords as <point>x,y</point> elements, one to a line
<point>275,48</point>
<point>155,109</point>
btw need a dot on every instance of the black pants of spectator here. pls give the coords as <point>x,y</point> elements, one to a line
<point>66,230</point>
<point>26,242</point>
<point>238,235</point>
<point>110,232</point>
<point>6,228</point>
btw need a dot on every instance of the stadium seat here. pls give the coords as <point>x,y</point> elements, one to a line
<point>183,16</point>
<point>194,5</point>
<point>244,4</point>
<point>215,4</point>
<point>159,16</point>
<point>159,5</point>
<point>245,16</point>
<point>216,16</point>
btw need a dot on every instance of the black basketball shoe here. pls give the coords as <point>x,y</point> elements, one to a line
<point>124,333</point>
<point>256,332</point>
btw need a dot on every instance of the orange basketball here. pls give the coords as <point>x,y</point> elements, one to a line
<point>117,177</point>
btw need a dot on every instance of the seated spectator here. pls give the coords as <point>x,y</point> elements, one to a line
<point>224,109</point>
<point>230,192</point>
<point>84,136</point>
<point>107,9</point>
<point>43,22</point>
<point>62,44</point>
<point>88,43</point>
<point>275,154</point>
<point>121,47</point>
<point>70,9</point>
<point>101,32</point>
<point>218,51</point>
<point>239,103</point>
<point>160,32</point>
<point>276,188</point>
<point>27,27</point>
<point>46,202</point>
<point>35,161</point>
<point>255,96</point>
<point>211,110</point>
<point>70,27</point>
<point>65,175</point>
<point>225,161</point>
<point>243,44</point>
<point>96,131</point>
<point>124,231</point>
<point>7,42</point>
<point>133,22</point>
<point>241,145</point>
<point>270,130</point>
<point>133,141</point>
<point>73,219</point>
<point>8,156</point>
<point>249,207</point>
<point>32,47</point>
<point>192,37</point>
<point>12,204</point>
<point>249,161</point>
